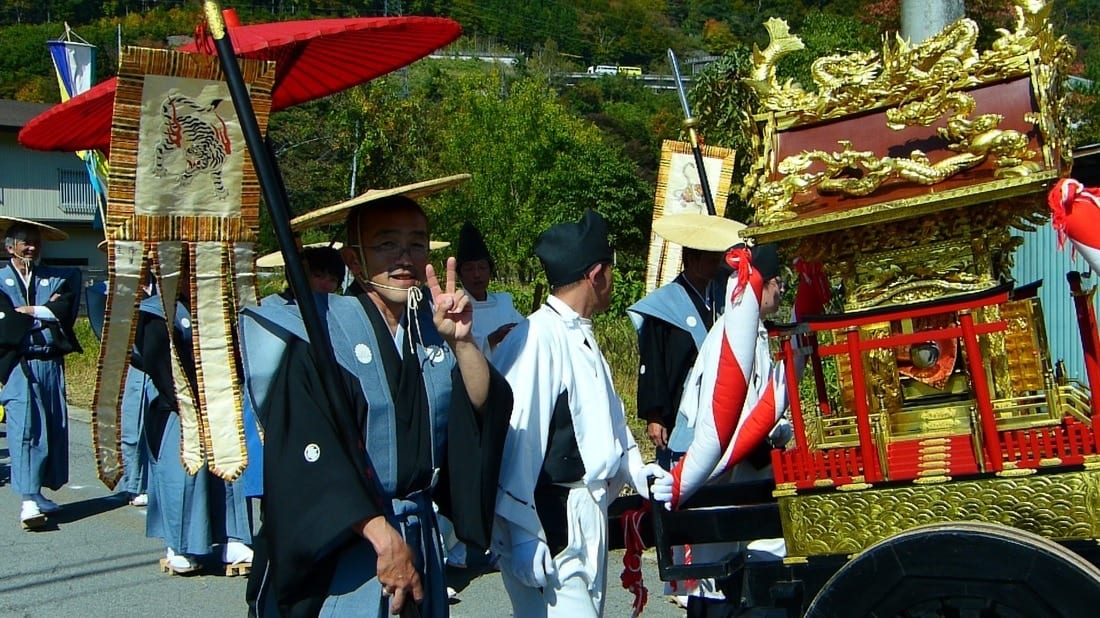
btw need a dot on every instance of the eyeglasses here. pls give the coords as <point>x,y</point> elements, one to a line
<point>392,250</point>
<point>779,283</point>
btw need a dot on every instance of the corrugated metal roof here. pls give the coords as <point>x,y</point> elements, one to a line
<point>15,114</point>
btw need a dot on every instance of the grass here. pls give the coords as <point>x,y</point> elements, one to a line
<point>80,369</point>
<point>619,343</point>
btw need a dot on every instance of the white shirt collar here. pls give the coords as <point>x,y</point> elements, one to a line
<point>561,308</point>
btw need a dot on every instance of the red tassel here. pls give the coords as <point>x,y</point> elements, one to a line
<point>813,292</point>
<point>1060,199</point>
<point>631,577</point>
<point>740,260</point>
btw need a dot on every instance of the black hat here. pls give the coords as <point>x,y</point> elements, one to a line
<point>568,250</point>
<point>471,246</point>
<point>765,258</point>
<point>324,260</point>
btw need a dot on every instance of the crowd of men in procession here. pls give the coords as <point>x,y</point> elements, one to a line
<point>463,420</point>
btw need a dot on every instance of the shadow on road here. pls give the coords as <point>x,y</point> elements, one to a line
<point>46,576</point>
<point>75,511</point>
<point>459,579</point>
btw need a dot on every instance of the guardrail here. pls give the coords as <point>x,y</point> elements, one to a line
<point>650,80</point>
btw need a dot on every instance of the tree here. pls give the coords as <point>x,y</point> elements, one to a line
<point>533,165</point>
<point>717,37</point>
<point>634,117</point>
<point>721,102</point>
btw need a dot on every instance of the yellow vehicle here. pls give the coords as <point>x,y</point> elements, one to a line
<point>633,71</point>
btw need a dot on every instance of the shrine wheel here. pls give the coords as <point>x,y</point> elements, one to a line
<point>962,569</point>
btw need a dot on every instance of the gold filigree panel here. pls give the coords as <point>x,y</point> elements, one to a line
<point>915,274</point>
<point>901,73</point>
<point>986,227</point>
<point>908,131</point>
<point>1025,347</point>
<point>880,370</point>
<point>1056,506</point>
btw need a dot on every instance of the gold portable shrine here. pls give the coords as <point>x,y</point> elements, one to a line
<point>902,175</point>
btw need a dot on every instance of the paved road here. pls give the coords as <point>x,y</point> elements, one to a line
<point>95,561</point>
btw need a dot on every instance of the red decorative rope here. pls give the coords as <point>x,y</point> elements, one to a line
<point>1060,199</point>
<point>687,585</point>
<point>632,558</point>
<point>202,41</point>
<point>740,260</point>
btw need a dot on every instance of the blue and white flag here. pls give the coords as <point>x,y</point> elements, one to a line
<point>74,62</point>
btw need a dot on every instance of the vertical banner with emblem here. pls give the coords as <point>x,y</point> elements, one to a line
<point>183,205</point>
<point>680,192</point>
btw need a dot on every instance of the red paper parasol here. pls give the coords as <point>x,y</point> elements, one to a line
<point>314,58</point>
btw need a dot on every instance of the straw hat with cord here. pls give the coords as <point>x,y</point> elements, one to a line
<point>338,213</point>
<point>47,232</point>
<point>350,212</point>
<point>275,258</point>
<point>699,231</point>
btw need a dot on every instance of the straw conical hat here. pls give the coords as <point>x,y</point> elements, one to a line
<point>48,232</point>
<point>700,232</point>
<point>338,212</point>
<point>275,258</point>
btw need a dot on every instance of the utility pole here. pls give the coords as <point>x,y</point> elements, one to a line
<point>921,19</point>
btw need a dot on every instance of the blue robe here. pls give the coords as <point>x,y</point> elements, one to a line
<point>137,393</point>
<point>33,395</point>
<point>315,486</point>
<point>95,302</point>
<point>190,512</point>
<point>252,479</point>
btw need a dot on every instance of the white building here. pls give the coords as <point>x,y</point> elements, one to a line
<point>51,187</point>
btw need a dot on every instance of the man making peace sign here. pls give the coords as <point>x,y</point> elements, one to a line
<point>432,416</point>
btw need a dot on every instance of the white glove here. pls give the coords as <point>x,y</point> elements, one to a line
<point>648,470</point>
<point>661,490</point>
<point>532,563</point>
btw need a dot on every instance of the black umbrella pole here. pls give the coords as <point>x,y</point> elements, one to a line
<point>700,165</point>
<point>693,136</point>
<point>275,195</point>
<point>268,175</point>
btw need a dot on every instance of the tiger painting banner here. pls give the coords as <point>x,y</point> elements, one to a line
<point>191,129</point>
<point>184,196</point>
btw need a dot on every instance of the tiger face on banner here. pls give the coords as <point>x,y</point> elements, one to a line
<point>183,206</point>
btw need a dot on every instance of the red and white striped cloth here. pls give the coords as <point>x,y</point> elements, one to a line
<point>1075,213</point>
<point>729,423</point>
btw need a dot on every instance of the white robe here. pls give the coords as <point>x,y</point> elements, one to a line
<point>553,352</point>
<point>489,315</point>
